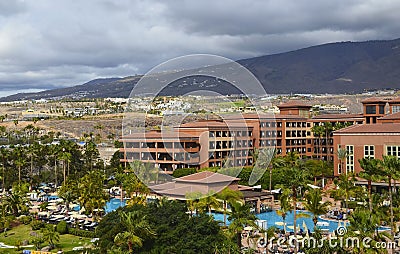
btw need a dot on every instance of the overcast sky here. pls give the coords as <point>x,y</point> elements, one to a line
<point>56,43</point>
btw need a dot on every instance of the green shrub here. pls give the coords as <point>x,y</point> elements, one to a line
<point>62,227</point>
<point>183,172</point>
<point>25,220</point>
<point>37,224</point>
<point>82,233</point>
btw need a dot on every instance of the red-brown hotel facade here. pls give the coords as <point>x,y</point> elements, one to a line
<point>200,144</point>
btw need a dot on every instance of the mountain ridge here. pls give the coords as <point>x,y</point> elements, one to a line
<point>337,67</point>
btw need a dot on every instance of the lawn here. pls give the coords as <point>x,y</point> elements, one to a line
<point>22,232</point>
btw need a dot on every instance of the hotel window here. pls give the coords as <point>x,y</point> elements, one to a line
<point>369,151</point>
<point>212,145</point>
<point>393,151</point>
<point>381,109</point>
<point>350,159</point>
<point>371,109</point>
<point>395,109</point>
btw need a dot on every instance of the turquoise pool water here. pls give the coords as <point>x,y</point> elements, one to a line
<point>112,205</point>
<point>273,219</point>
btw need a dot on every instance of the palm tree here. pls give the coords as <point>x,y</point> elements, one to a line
<point>37,241</point>
<point>192,200</point>
<point>240,218</point>
<point>69,192</point>
<point>364,224</point>
<point>264,158</point>
<point>210,201</point>
<point>91,154</point>
<point>54,151</point>
<point>371,169</point>
<point>15,203</point>
<point>4,160</point>
<point>346,187</point>
<point>19,161</point>
<point>328,128</point>
<point>66,159</point>
<point>314,166</point>
<point>297,177</point>
<point>137,229</point>
<point>92,195</point>
<point>50,235</point>
<point>315,205</point>
<point>229,196</point>
<point>5,216</point>
<point>342,155</point>
<point>285,206</point>
<point>391,167</point>
<point>135,189</point>
<point>318,131</point>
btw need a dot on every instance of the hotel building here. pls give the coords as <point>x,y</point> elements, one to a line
<point>212,143</point>
<point>379,136</point>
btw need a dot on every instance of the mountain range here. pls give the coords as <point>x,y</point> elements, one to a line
<point>341,67</point>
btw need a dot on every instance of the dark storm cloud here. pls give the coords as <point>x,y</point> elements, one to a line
<point>8,8</point>
<point>47,43</point>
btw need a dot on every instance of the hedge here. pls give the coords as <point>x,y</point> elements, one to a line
<point>82,233</point>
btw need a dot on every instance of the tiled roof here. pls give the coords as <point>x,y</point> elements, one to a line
<point>395,100</point>
<point>291,104</point>
<point>180,192</point>
<point>250,116</point>
<point>292,117</point>
<point>338,116</point>
<point>394,116</point>
<point>206,177</point>
<point>214,124</point>
<point>159,135</point>
<point>202,182</point>
<point>374,99</point>
<point>268,116</point>
<point>370,128</point>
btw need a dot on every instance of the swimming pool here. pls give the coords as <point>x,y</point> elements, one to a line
<point>112,205</point>
<point>273,219</point>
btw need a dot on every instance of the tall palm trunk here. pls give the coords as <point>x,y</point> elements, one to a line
<point>122,193</point>
<point>239,239</point>
<point>31,173</point>
<point>225,208</point>
<point>64,172</point>
<point>391,208</point>
<point>19,174</point>
<point>130,247</point>
<point>294,217</point>
<point>3,180</point>
<point>370,194</point>
<point>55,172</point>
<point>327,146</point>
<point>270,179</point>
<point>315,220</point>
